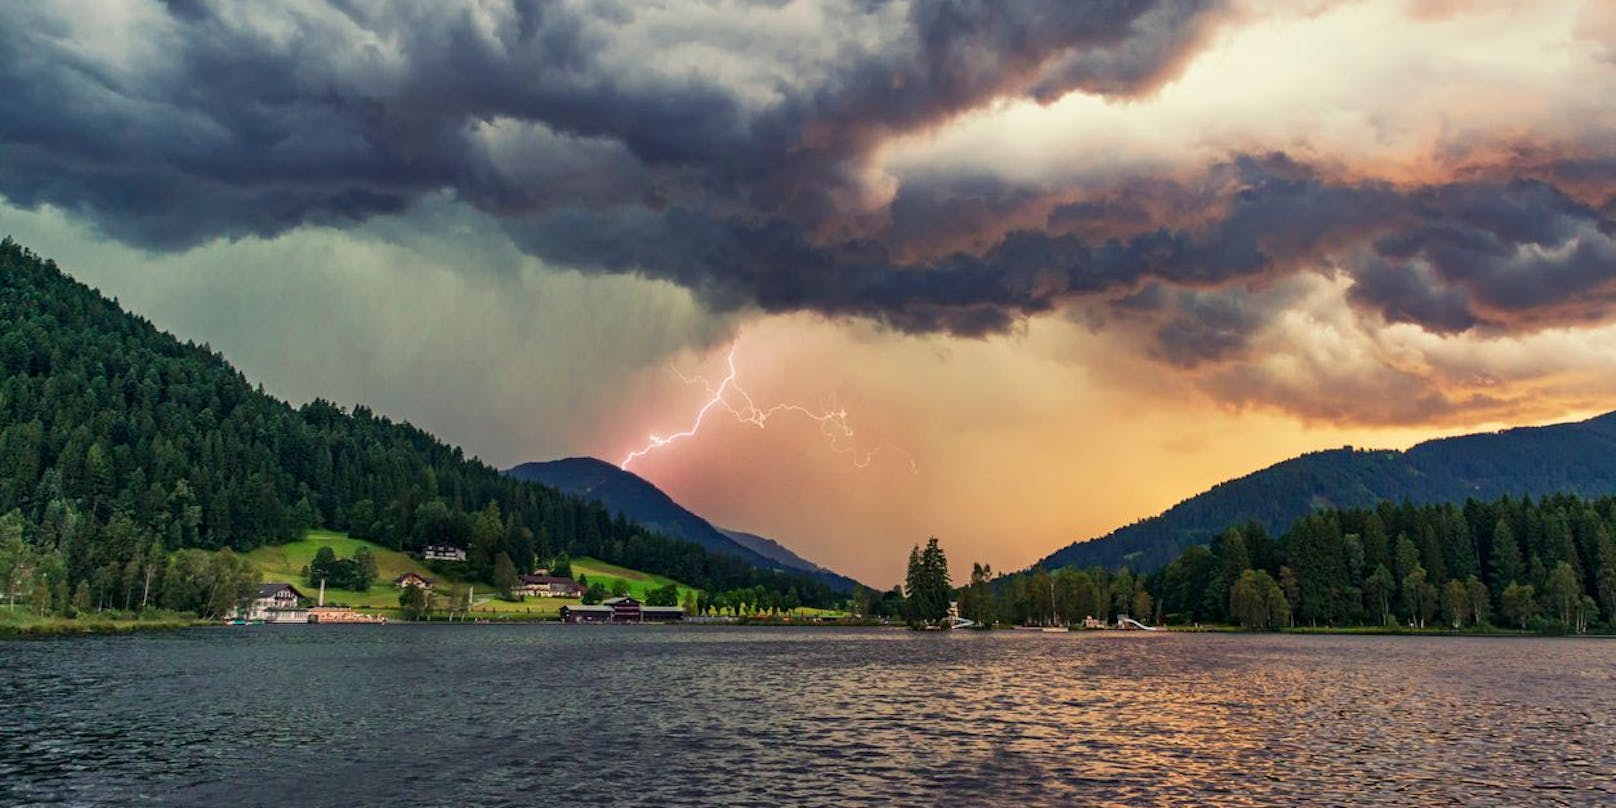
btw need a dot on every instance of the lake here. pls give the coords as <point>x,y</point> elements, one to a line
<point>536,715</point>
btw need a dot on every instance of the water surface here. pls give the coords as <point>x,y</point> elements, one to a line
<point>525,715</point>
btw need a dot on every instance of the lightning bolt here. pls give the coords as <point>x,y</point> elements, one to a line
<point>730,397</point>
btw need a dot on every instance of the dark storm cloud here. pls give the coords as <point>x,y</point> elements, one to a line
<point>743,171</point>
<point>325,113</point>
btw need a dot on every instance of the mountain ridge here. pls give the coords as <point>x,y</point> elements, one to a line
<point>1573,457</point>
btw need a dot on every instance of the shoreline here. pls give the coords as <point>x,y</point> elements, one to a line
<point>64,627</point>
<point>90,628</point>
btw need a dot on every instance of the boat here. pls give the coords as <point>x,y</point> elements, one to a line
<point>1053,629</point>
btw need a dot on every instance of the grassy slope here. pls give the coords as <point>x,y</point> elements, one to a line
<point>285,562</point>
<point>640,584</point>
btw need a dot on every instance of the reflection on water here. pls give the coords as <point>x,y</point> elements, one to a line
<point>496,715</point>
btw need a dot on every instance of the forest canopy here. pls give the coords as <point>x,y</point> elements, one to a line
<point>120,445</point>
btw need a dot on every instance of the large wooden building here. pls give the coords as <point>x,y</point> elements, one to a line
<point>621,610</point>
<point>278,602</point>
<point>586,614</point>
<point>548,586</point>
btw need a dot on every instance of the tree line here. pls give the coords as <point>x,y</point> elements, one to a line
<point>115,438</point>
<point>1545,564</point>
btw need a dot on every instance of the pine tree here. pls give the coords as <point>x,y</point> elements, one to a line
<point>1507,567</point>
<point>927,587</point>
<point>1606,576</point>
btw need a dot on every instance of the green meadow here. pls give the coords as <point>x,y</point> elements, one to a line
<point>639,583</point>
<point>286,562</point>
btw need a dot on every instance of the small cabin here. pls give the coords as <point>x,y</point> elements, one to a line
<point>412,579</point>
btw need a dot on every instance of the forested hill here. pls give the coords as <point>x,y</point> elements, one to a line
<point>1577,458</point>
<point>115,438</point>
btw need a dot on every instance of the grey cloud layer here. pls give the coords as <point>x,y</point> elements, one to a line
<point>729,149</point>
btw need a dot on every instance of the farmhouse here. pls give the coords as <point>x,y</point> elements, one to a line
<point>411,579</point>
<point>546,586</point>
<point>621,610</point>
<point>443,552</point>
<point>278,603</point>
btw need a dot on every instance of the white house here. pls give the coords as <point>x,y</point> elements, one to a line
<point>546,586</point>
<point>411,579</point>
<point>443,552</point>
<point>278,603</point>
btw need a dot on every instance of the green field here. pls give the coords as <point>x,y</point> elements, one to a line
<point>640,584</point>
<point>285,562</point>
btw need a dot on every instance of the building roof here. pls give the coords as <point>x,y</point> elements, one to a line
<point>441,547</point>
<point>620,601</point>
<point>269,590</point>
<point>408,575</point>
<point>654,610</point>
<point>600,609</point>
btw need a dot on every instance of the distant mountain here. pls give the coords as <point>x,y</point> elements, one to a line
<point>626,493</point>
<point>1575,458</point>
<point>772,550</point>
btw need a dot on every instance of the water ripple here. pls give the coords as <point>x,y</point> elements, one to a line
<point>510,715</point>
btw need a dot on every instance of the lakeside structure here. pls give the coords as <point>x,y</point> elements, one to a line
<point>621,610</point>
<point>342,614</point>
<point>276,602</point>
<point>279,602</point>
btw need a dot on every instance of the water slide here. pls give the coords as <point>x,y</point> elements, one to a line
<point>1129,622</point>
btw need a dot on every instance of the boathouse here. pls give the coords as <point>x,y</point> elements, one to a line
<point>624,609</point>
<point>586,614</point>
<point>621,610</point>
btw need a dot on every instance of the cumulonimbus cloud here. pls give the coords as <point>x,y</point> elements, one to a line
<point>734,149</point>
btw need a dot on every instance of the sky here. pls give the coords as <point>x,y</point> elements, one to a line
<point>1051,267</point>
